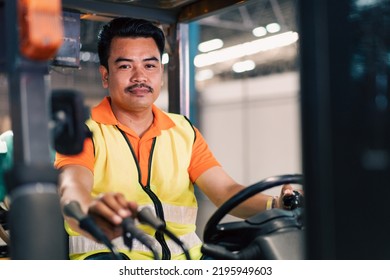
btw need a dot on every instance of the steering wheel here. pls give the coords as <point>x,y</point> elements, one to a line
<point>272,234</point>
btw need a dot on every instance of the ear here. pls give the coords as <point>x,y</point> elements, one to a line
<point>104,75</point>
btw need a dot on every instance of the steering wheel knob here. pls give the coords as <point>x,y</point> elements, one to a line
<point>291,202</point>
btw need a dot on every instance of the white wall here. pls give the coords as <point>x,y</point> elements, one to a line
<point>253,128</point>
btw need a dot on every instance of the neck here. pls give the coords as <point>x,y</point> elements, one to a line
<point>139,122</point>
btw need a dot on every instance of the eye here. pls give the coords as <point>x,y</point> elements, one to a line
<point>124,66</point>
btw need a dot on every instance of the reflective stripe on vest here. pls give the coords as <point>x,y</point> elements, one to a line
<point>177,214</point>
<point>81,244</point>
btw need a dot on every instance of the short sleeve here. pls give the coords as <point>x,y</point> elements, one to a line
<point>202,158</point>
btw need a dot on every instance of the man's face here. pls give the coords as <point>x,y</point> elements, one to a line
<point>134,77</point>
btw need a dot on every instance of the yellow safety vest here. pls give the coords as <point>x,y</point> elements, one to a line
<point>169,191</point>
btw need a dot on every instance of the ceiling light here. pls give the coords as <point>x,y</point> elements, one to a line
<point>204,75</point>
<point>243,66</point>
<point>259,31</point>
<point>248,48</point>
<point>165,58</point>
<point>273,27</point>
<point>211,45</point>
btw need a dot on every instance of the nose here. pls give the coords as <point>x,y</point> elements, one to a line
<point>138,75</point>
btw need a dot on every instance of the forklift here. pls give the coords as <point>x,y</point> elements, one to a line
<point>344,78</point>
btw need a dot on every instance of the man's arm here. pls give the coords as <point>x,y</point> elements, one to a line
<point>107,210</point>
<point>75,184</point>
<point>219,187</point>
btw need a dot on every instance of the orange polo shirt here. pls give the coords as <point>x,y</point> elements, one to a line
<point>201,159</point>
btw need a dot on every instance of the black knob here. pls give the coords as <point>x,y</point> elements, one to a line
<point>291,202</point>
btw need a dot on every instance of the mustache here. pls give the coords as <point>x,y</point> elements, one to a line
<point>141,85</point>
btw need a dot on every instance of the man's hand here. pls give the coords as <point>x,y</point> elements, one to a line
<point>108,211</point>
<point>286,191</point>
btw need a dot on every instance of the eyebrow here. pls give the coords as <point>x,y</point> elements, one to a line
<point>121,59</point>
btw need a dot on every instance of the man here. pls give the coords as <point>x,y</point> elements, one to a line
<point>140,156</point>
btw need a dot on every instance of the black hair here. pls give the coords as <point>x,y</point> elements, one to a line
<point>127,27</point>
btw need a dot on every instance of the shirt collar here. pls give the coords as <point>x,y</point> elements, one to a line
<point>102,113</point>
